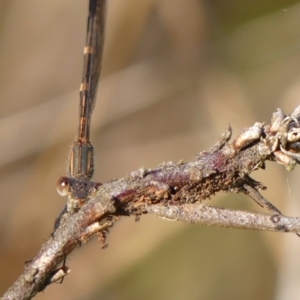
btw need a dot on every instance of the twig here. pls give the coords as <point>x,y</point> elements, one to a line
<point>174,191</point>
<point>203,214</point>
<point>71,233</point>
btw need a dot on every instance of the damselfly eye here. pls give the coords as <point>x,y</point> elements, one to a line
<point>63,186</point>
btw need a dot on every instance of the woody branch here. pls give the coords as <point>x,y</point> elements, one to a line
<point>176,191</point>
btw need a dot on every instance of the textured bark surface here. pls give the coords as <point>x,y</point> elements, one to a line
<point>175,191</point>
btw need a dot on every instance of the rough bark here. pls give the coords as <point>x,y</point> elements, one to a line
<point>173,191</point>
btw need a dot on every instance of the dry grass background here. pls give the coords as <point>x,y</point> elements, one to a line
<point>175,73</point>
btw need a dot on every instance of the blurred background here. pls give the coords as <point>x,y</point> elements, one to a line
<point>175,74</point>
